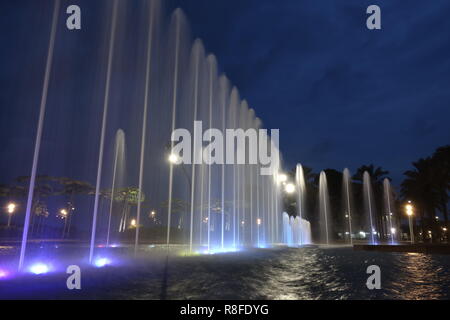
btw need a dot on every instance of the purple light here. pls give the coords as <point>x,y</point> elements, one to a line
<point>3,274</point>
<point>39,268</point>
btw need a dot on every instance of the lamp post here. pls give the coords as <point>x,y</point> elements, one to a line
<point>10,208</point>
<point>63,214</point>
<point>409,212</point>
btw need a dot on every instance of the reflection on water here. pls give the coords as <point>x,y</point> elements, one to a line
<point>290,273</point>
<point>422,278</point>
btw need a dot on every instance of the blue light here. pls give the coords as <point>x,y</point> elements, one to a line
<point>102,262</point>
<point>219,250</point>
<point>39,268</point>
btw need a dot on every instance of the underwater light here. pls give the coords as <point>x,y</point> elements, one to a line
<point>39,268</point>
<point>3,274</point>
<point>102,262</point>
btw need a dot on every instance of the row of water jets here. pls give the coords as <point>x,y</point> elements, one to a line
<point>368,223</point>
<point>175,84</point>
<point>297,230</point>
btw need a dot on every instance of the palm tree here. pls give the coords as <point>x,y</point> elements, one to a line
<point>42,190</point>
<point>377,174</point>
<point>129,197</point>
<point>420,185</point>
<point>71,188</point>
<point>441,160</point>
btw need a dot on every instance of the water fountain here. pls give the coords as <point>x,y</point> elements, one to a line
<point>150,32</point>
<point>170,82</point>
<point>369,205</point>
<point>37,145</point>
<point>389,208</point>
<point>103,128</point>
<point>346,185</point>
<point>296,231</point>
<point>118,175</point>
<point>324,209</point>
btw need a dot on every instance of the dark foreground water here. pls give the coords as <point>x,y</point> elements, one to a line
<point>287,273</point>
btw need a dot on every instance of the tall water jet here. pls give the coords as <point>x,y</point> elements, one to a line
<point>202,185</point>
<point>224,96</point>
<point>197,53</point>
<point>37,145</point>
<point>250,169</point>
<point>388,197</point>
<point>233,123</point>
<point>177,17</point>
<point>211,77</point>
<point>346,181</point>
<point>102,134</point>
<point>368,204</point>
<point>301,190</point>
<point>324,208</point>
<point>117,176</point>
<point>144,118</point>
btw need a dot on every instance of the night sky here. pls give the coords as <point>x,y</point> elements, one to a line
<point>341,95</point>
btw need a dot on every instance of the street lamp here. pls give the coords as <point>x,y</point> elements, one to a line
<point>409,212</point>
<point>173,158</point>
<point>289,188</point>
<point>63,214</point>
<point>10,208</point>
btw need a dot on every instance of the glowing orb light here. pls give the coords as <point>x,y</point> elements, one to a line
<point>39,268</point>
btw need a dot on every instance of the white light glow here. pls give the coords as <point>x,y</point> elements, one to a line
<point>39,268</point>
<point>173,158</point>
<point>11,207</point>
<point>290,188</point>
<point>102,262</point>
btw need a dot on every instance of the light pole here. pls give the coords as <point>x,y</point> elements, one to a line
<point>409,213</point>
<point>63,213</point>
<point>174,160</point>
<point>10,208</point>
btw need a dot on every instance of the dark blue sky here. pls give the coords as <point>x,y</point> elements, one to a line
<point>340,94</point>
